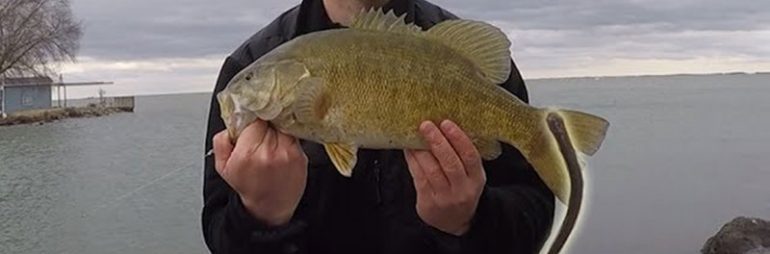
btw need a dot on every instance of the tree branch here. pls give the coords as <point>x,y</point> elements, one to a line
<point>34,33</point>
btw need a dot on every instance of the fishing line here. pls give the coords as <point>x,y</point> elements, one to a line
<point>117,200</point>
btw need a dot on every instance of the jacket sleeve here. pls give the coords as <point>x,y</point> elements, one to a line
<point>227,227</point>
<point>515,211</point>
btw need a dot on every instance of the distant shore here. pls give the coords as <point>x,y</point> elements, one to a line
<point>650,75</point>
<point>54,114</point>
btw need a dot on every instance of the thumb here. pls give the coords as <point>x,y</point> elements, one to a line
<point>223,147</point>
<point>421,184</point>
<point>251,137</point>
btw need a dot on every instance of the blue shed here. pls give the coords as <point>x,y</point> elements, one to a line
<point>25,93</point>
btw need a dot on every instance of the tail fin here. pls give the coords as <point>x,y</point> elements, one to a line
<point>559,128</point>
<point>553,150</point>
<point>586,133</point>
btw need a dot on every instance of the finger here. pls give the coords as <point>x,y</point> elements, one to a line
<point>270,142</point>
<point>444,153</point>
<point>420,182</point>
<point>285,141</point>
<point>223,147</point>
<point>290,144</point>
<point>251,137</point>
<point>286,145</point>
<point>424,192</point>
<point>465,148</point>
<point>431,170</point>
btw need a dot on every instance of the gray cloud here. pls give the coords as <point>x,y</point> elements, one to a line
<point>136,29</point>
<point>135,41</point>
<point>555,35</point>
<point>664,14</point>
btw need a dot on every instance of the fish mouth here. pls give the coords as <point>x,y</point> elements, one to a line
<point>232,114</point>
<point>239,121</point>
<point>226,105</point>
<point>237,115</point>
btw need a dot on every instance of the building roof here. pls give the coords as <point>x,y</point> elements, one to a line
<point>27,81</point>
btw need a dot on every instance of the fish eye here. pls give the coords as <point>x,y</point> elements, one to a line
<point>248,78</point>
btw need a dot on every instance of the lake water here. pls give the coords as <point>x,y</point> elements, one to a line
<point>684,155</point>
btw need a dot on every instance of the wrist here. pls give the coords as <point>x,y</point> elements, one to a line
<point>460,230</point>
<point>454,230</point>
<point>266,214</point>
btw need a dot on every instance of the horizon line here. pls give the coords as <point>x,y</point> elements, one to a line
<point>656,75</point>
<point>525,79</point>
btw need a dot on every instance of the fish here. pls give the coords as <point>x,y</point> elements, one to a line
<point>371,84</point>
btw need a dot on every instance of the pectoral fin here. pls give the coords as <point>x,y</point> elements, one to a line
<point>489,149</point>
<point>343,157</point>
<point>312,103</point>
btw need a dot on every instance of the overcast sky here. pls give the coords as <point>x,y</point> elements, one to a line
<point>170,46</point>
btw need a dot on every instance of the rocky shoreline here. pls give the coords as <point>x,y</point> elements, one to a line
<point>49,115</point>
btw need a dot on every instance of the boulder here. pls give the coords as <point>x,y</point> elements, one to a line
<point>742,235</point>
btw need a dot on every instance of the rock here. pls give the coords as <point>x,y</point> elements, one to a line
<point>50,115</point>
<point>742,235</point>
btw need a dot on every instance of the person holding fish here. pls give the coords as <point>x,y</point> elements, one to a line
<point>324,142</point>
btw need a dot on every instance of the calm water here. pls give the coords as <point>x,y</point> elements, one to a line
<point>684,155</point>
<point>126,183</point>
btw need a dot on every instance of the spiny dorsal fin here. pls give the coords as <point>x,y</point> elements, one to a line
<point>376,20</point>
<point>482,43</point>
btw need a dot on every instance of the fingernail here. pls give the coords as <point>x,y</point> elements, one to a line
<point>448,126</point>
<point>427,127</point>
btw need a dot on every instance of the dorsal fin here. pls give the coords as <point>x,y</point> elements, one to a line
<point>376,20</point>
<point>482,43</point>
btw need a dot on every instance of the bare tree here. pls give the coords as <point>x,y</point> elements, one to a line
<point>36,33</point>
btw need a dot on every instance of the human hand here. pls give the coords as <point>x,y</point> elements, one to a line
<point>448,178</point>
<point>267,168</point>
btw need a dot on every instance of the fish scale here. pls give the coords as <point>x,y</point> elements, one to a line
<point>373,84</point>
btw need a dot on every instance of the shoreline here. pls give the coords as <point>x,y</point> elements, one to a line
<point>40,116</point>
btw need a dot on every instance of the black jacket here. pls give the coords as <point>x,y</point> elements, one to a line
<point>374,210</point>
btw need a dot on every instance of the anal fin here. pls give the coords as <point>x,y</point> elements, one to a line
<point>343,156</point>
<point>489,149</point>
